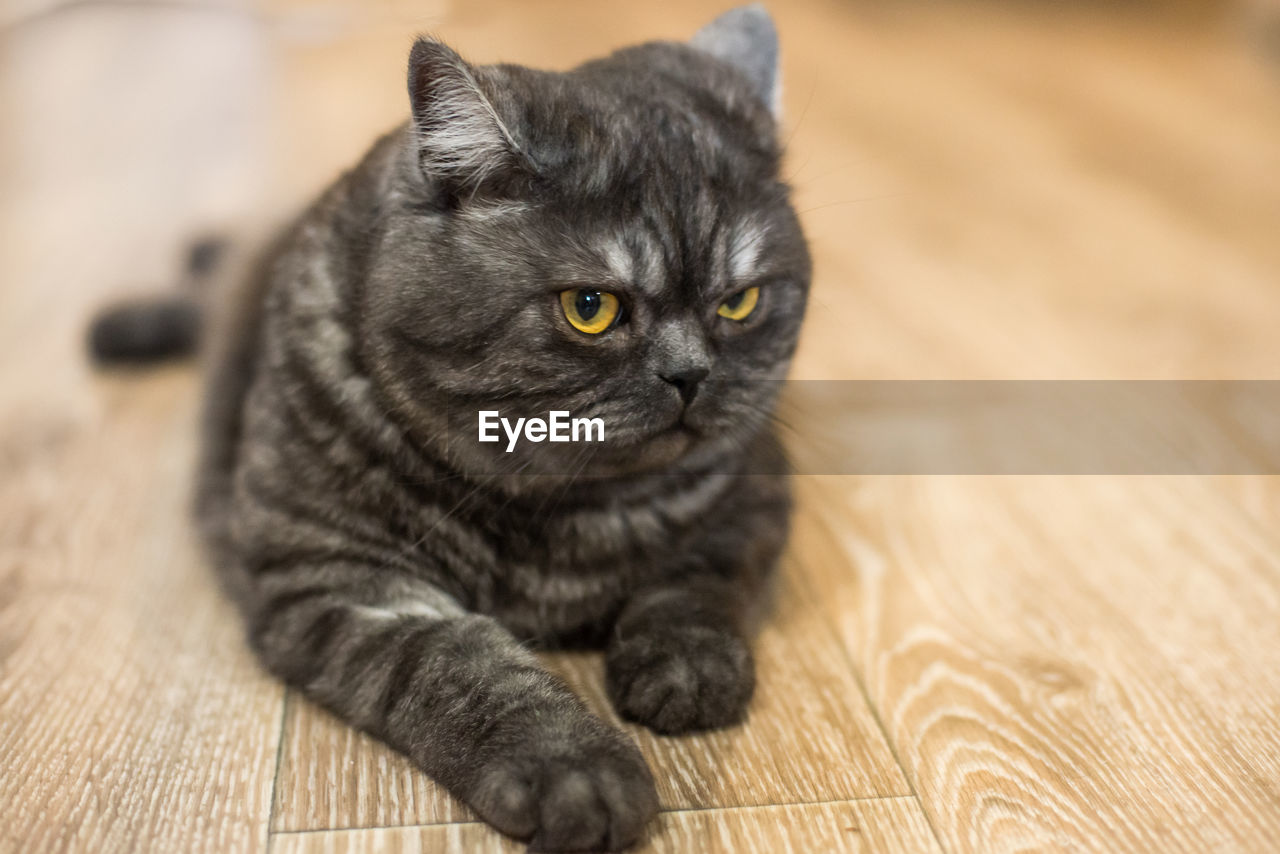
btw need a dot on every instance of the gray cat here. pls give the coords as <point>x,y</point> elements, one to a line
<point>612,241</point>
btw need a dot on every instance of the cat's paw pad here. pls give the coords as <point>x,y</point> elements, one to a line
<point>688,679</point>
<point>596,799</point>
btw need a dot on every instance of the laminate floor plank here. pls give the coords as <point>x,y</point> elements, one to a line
<point>875,826</point>
<point>811,737</point>
<point>1096,671</point>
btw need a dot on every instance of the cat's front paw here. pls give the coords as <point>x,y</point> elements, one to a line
<point>595,794</point>
<point>689,678</point>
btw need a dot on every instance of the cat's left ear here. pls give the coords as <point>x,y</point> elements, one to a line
<point>746,39</point>
<point>461,139</point>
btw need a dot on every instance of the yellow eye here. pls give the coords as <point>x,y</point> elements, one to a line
<point>741,304</point>
<point>590,311</point>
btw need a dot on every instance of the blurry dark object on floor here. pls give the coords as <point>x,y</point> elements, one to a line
<point>143,330</point>
<point>146,329</point>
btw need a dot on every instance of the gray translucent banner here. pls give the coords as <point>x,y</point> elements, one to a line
<point>1032,427</point>
<point>980,427</point>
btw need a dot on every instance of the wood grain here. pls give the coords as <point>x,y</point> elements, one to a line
<point>876,826</point>
<point>811,737</point>
<point>132,717</point>
<point>1046,683</point>
<point>1084,663</point>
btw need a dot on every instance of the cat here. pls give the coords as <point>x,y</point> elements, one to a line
<point>614,241</point>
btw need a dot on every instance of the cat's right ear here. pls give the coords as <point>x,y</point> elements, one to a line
<point>746,38</point>
<point>460,137</point>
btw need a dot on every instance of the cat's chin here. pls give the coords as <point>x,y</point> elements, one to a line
<point>647,454</point>
<point>675,447</point>
<point>651,453</point>
<point>665,447</point>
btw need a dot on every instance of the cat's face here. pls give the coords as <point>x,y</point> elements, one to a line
<point>614,242</point>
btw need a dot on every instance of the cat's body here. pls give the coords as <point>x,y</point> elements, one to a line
<point>393,568</point>
<point>296,422</point>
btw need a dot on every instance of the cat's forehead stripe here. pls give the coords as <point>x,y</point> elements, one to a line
<point>619,258</point>
<point>633,258</point>
<point>744,250</point>
<point>638,257</point>
<point>493,210</point>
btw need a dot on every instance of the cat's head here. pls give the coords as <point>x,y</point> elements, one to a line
<point>614,241</point>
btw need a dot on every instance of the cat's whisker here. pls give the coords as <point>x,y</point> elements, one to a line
<point>824,175</point>
<point>808,102</point>
<point>857,201</point>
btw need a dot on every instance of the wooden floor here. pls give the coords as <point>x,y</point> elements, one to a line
<point>958,664</point>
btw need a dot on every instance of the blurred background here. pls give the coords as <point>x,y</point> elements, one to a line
<point>991,188</point>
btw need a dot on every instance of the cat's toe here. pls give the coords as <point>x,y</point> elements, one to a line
<point>594,800</point>
<point>506,799</point>
<point>681,681</point>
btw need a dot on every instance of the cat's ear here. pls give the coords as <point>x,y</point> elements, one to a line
<point>746,39</point>
<point>460,136</point>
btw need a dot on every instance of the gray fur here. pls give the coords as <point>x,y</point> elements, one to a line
<point>394,571</point>
<point>746,39</point>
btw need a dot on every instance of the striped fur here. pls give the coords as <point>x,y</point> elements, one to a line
<point>398,573</point>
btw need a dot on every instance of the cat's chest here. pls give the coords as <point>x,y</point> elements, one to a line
<point>620,537</point>
<point>587,554</point>
<point>579,567</point>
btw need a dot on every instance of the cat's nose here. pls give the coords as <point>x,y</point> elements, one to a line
<point>686,380</point>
